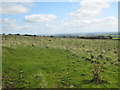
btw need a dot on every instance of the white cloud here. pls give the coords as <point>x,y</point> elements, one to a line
<point>84,17</point>
<point>7,21</point>
<point>17,0</point>
<point>40,18</point>
<point>13,8</point>
<point>92,8</point>
<point>10,24</point>
<point>110,20</point>
<point>82,20</point>
<point>53,0</point>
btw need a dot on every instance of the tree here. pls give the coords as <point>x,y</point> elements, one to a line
<point>3,33</point>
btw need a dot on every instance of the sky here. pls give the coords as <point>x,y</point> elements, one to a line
<point>59,17</point>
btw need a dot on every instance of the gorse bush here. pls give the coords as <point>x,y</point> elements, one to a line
<point>97,68</point>
<point>96,74</point>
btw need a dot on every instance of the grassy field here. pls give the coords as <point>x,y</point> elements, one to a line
<point>49,62</point>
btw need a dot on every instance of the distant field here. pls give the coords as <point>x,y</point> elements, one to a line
<point>117,38</point>
<point>51,62</point>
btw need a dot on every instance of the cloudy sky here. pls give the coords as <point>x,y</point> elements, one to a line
<point>59,17</point>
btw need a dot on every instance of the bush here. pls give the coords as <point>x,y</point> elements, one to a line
<point>96,74</point>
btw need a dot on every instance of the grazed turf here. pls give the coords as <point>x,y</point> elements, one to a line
<point>57,62</point>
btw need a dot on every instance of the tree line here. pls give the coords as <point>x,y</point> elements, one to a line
<point>78,37</point>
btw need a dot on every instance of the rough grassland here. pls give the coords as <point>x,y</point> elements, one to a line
<point>49,62</point>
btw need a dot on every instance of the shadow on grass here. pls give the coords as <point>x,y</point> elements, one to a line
<point>92,81</point>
